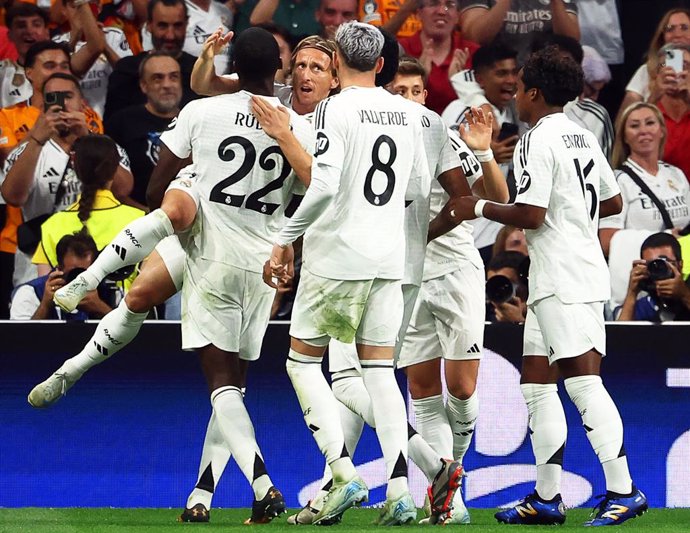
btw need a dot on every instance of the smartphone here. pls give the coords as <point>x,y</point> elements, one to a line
<point>674,59</point>
<point>508,130</point>
<point>54,98</point>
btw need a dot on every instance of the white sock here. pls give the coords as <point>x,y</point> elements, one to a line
<point>115,331</point>
<point>423,455</point>
<point>548,433</point>
<point>131,245</point>
<point>432,423</point>
<point>237,429</point>
<point>348,388</point>
<point>604,429</point>
<point>320,410</point>
<point>391,422</point>
<point>462,415</point>
<point>214,458</point>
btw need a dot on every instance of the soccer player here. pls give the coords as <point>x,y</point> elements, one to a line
<point>242,186</point>
<point>564,185</point>
<point>350,288</point>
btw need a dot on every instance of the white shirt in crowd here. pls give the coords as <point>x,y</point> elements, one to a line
<point>639,83</point>
<point>15,87</point>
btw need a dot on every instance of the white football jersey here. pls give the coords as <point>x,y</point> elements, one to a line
<point>244,180</point>
<point>15,87</point>
<point>639,212</point>
<point>446,253</point>
<point>373,140</point>
<point>442,155</point>
<point>559,166</point>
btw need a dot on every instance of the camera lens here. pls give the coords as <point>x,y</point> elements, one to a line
<point>499,289</point>
<point>658,269</point>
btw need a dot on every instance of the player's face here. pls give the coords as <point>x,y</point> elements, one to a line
<point>162,85</point>
<point>285,55</point>
<point>439,17</point>
<point>499,82</point>
<point>332,13</point>
<point>47,62</point>
<point>642,132</point>
<point>522,101</point>
<point>73,99</point>
<point>677,30</point>
<point>26,31</point>
<point>312,79</point>
<point>168,27</point>
<point>410,87</point>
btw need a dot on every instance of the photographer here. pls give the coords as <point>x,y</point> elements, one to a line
<point>657,291</point>
<point>34,299</point>
<point>506,287</point>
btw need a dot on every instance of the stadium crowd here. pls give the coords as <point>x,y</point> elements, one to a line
<point>74,70</point>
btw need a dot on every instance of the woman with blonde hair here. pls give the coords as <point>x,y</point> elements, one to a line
<point>655,194</point>
<point>651,80</point>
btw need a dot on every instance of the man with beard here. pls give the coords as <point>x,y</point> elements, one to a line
<point>137,128</point>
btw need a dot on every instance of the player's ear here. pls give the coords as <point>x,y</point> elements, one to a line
<point>379,64</point>
<point>334,83</point>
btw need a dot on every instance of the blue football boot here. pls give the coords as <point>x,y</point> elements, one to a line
<point>534,511</point>
<point>614,510</point>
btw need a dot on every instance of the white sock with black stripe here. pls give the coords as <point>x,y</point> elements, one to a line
<point>432,424</point>
<point>462,415</point>
<point>391,421</point>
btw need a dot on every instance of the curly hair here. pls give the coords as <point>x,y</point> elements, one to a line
<point>557,76</point>
<point>95,161</point>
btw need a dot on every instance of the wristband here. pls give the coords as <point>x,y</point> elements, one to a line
<point>484,156</point>
<point>479,208</point>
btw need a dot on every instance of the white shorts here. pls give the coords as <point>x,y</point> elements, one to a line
<point>225,306</point>
<point>173,256</point>
<point>558,330</point>
<point>367,312</point>
<point>185,182</point>
<point>447,320</point>
<point>343,356</point>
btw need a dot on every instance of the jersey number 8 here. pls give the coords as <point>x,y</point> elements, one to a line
<point>382,198</point>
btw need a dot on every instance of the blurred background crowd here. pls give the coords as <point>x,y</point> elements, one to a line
<point>72,70</point>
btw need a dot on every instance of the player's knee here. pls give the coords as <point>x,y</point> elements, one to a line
<point>180,209</point>
<point>424,387</point>
<point>462,389</point>
<point>141,298</point>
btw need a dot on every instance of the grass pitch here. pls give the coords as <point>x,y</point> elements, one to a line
<point>41,520</point>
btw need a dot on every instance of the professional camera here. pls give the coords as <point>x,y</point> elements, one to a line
<point>657,270</point>
<point>500,289</point>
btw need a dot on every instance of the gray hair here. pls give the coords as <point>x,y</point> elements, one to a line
<point>359,45</point>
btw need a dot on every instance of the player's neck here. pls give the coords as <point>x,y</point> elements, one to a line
<point>260,88</point>
<point>542,112</point>
<point>354,78</point>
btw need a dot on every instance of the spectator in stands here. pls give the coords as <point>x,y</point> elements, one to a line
<point>657,291</point>
<point>306,17</point>
<point>167,23</point>
<point>655,195</point>
<point>510,239</point>
<point>394,16</point>
<point>96,160</point>
<point>34,300</point>
<point>94,81</point>
<point>507,295</point>
<point>652,79</point>
<point>518,22</point>
<point>38,173</point>
<point>440,49</point>
<point>27,24</point>
<point>137,128</point>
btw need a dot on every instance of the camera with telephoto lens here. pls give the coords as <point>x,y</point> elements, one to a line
<point>500,289</point>
<point>657,270</point>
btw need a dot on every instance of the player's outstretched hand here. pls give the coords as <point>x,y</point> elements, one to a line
<point>280,267</point>
<point>215,43</point>
<point>462,208</point>
<point>275,121</point>
<point>477,129</point>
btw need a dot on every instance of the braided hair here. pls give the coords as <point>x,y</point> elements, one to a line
<point>95,161</point>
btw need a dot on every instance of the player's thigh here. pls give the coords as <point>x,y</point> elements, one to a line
<point>570,330</point>
<point>420,343</point>
<point>153,286</point>
<point>424,378</point>
<point>327,308</point>
<point>181,201</point>
<point>382,316</point>
<point>461,377</point>
<point>458,309</point>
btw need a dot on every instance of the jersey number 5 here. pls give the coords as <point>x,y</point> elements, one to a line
<point>384,197</point>
<point>582,174</point>
<point>265,162</point>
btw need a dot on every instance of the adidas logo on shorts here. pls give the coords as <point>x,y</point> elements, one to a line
<point>474,349</point>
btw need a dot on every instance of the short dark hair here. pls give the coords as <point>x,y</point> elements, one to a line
<point>488,55</point>
<point>80,244</point>
<point>661,239</point>
<point>63,76</point>
<point>256,54</point>
<point>150,55</point>
<point>166,3</point>
<point>38,48</point>
<point>566,44</point>
<point>559,78</point>
<point>507,259</point>
<point>24,9</point>
<point>410,66</point>
<point>390,54</point>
